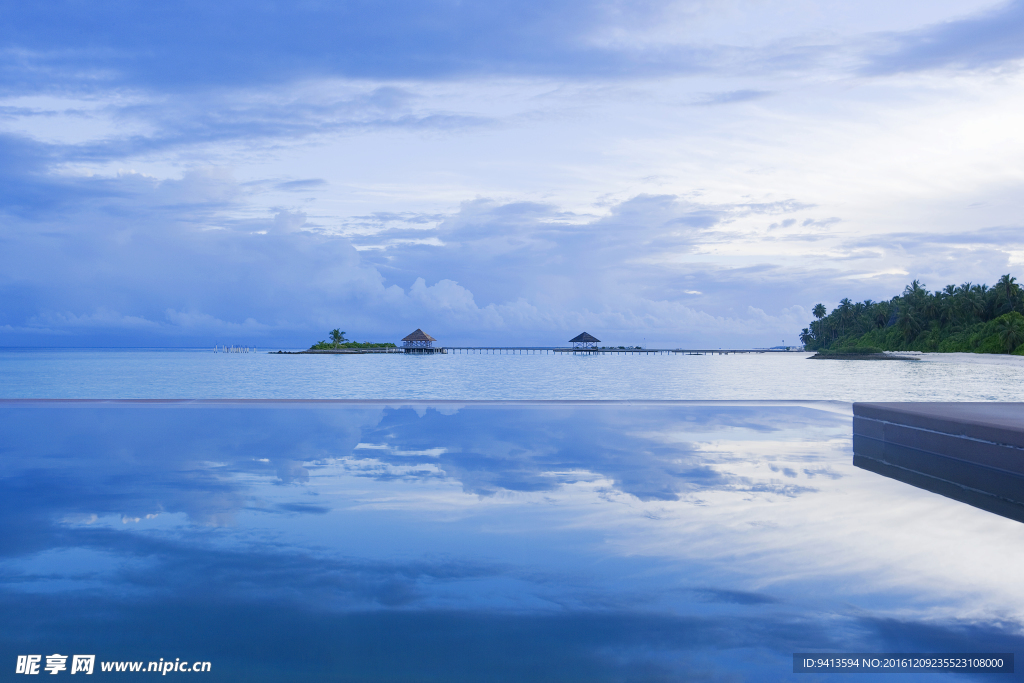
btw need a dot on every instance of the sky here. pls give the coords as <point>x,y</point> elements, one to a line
<point>674,174</point>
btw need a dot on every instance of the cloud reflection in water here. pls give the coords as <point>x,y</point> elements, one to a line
<point>509,542</point>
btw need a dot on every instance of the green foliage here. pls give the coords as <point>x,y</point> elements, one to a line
<point>966,318</point>
<point>338,341</point>
<point>989,344</point>
<point>956,342</point>
<point>1010,330</point>
<point>328,346</point>
<point>859,350</point>
<point>849,351</point>
<point>366,345</point>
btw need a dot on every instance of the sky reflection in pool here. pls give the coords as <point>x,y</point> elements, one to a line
<point>301,541</point>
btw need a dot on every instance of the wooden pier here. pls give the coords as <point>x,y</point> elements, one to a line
<point>531,350</point>
<point>518,350</point>
<point>419,342</point>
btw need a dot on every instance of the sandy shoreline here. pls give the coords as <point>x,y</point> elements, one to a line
<point>978,358</point>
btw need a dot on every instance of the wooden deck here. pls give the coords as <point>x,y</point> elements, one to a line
<point>971,452</point>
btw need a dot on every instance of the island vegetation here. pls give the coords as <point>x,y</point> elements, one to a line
<point>338,341</point>
<point>967,318</point>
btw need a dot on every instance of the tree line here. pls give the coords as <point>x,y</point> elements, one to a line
<point>968,317</point>
<point>338,341</point>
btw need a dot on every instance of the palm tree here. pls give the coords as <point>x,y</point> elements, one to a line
<point>909,323</point>
<point>1008,292</point>
<point>845,313</point>
<point>946,301</point>
<point>858,315</point>
<point>1011,332</point>
<point>915,290</point>
<point>337,337</point>
<point>983,302</point>
<point>930,306</point>
<point>878,315</point>
<point>818,327</point>
<point>827,330</point>
<point>971,305</point>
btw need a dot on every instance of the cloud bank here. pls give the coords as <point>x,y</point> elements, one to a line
<point>671,171</point>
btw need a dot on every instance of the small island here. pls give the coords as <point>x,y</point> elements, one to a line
<point>339,342</point>
<point>958,318</point>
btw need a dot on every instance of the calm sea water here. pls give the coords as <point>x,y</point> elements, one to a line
<point>44,373</point>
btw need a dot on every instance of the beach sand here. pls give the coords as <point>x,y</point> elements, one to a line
<point>979,358</point>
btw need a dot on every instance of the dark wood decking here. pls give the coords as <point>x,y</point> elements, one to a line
<point>971,452</point>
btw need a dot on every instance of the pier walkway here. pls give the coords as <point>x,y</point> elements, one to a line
<point>529,350</point>
<point>564,349</point>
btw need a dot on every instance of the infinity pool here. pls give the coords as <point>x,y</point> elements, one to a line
<point>516,541</point>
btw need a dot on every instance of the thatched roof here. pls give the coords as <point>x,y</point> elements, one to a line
<point>584,338</point>
<point>419,335</point>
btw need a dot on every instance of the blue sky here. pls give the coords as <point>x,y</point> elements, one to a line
<point>685,173</point>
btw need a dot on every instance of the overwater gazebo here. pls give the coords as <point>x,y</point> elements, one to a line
<point>584,341</point>
<point>418,341</point>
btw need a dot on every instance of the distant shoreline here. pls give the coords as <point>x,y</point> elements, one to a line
<point>1006,359</point>
<point>1003,359</point>
<point>860,356</point>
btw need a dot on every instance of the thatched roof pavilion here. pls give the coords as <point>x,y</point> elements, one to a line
<point>584,341</point>
<point>418,340</point>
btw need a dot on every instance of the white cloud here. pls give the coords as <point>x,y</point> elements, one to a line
<point>525,197</point>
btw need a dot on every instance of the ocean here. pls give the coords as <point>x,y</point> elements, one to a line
<point>161,373</point>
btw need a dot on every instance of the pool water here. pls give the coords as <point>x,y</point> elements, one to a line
<point>482,541</point>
